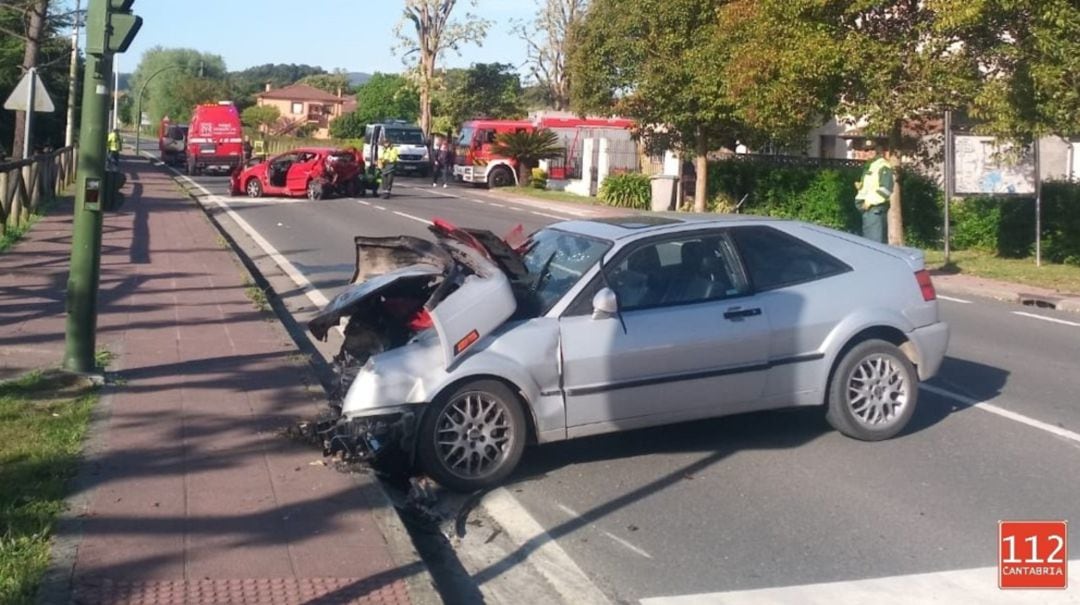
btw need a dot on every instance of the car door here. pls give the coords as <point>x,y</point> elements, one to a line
<point>301,170</point>
<point>688,341</point>
<point>277,171</point>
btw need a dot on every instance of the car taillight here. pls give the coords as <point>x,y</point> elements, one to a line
<point>926,285</point>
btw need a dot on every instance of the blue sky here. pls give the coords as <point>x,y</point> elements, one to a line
<point>355,35</point>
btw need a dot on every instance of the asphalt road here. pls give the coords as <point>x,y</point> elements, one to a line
<point>771,499</point>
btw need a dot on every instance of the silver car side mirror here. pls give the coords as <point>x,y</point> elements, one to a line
<point>605,304</point>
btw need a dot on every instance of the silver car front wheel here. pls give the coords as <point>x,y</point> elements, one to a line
<point>873,391</point>
<point>474,437</point>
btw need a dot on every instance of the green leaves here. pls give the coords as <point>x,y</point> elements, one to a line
<point>631,190</point>
<point>387,97</point>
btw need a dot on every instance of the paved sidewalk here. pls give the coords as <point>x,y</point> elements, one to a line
<point>194,496</point>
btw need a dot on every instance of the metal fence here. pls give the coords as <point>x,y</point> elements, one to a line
<point>27,184</point>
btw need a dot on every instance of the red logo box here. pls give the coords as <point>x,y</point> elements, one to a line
<point>1033,554</point>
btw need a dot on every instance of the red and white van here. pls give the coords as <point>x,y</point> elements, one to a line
<point>476,163</point>
<point>215,139</point>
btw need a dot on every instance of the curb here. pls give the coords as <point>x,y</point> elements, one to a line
<point>421,585</point>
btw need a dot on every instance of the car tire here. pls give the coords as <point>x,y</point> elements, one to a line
<point>486,420</point>
<point>873,391</point>
<point>353,188</point>
<point>500,176</point>
<point>314,190</point>
<point>253,188</point>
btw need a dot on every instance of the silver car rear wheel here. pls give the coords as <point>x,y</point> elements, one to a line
<point>873,391</point>
<point>474,437</point>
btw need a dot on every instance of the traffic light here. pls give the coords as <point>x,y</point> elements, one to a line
<point>110,26</point>
<point>112,199</point>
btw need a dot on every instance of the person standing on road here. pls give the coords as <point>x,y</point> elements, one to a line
<point>444,165</point>
<point>114,144</point>
<point>874,190</point>
<point>387,163</point>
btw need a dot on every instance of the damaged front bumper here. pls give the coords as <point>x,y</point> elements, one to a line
<point>371,439</point>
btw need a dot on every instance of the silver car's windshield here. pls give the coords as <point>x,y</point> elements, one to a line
<point>556,260</point>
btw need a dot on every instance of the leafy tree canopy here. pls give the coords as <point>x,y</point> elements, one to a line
<point>387,97</point>
<point>178,87</point>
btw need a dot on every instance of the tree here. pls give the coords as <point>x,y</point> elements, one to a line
<point>186,77</point>
<point>387,97</point>
<point>18,34</point>
<point>335,83</point>
<point>348,126</point>
<point>260,117</point>
<point>527,148</point>
<point>490,90</point>
<point>548,42</point>
<point>658,64</point>
<point>433,32</point>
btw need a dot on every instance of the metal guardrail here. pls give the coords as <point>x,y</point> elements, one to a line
<point>27,184</point>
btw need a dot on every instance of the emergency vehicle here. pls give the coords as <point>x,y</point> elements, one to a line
<point>475,162</point>
<point>215,139</point>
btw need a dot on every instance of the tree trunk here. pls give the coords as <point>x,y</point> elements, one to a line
<point>896,209</point>
<point>427,76</point>
<point>701,170</point>
<point>38,10</point>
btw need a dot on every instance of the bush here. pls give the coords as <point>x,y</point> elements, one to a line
<point>631,190</point>
<point>821,195</point>
<point>538,178</point>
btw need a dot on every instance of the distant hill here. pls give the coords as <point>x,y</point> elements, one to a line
<point>357,78</point>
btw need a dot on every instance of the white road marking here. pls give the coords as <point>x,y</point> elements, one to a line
<point>378,207</point>
<point>955,300</point>
<point>954,586</point>
<point>542,551</point>
<point>629,546</point>
<point>363,202</point>
<point>415,218</point>
<point>561,218</point>
<point>517,208</point>
<point>1045,318</point>
<point>1000,411</point>
<point>496,205</point>
<point>313,294</point>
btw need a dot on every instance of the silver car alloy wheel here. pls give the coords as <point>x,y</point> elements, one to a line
<point>878,391</point>
<point>473,434</point>
<point>254,189</point>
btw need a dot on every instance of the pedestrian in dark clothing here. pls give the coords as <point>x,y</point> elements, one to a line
<point>247,150</point>
<point>444,165</point>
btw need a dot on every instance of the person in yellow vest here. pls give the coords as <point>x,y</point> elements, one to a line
<point>388,158</point>
<point>114,144</point>
<point>874,190</point>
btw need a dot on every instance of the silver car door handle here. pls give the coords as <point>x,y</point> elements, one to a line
<point>737,313</point>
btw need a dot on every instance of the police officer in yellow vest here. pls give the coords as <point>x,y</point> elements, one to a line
<point>388,158</point>
<point>874,190</point>
<point>114,144</point>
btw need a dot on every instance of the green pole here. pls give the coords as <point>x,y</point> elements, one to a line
<point>82,287</point>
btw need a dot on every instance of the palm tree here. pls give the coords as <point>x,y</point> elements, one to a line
<point>527,148</point>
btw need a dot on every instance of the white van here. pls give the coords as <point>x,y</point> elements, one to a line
<point>414,155</point>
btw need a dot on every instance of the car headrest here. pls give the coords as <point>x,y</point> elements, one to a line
<point>692,255</point>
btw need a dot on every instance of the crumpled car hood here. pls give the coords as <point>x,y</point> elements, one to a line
<point>467,288</point>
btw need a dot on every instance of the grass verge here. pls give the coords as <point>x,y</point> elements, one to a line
<point>13,234</point>
<point>1063,278</point>
<point>544,194</point>
<point>256,295</point>
<point>43,418</point>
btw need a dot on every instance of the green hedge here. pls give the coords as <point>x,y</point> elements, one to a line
<point>1006,226</point>
<point>825,196</point>
<point>630,190</point>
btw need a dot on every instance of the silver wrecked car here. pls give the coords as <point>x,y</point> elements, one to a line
<point>461,350</point>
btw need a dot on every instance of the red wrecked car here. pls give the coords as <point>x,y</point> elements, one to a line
<point>316,172</point>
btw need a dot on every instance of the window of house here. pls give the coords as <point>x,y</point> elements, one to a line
<point>775,259</point>
<point>297,108</point>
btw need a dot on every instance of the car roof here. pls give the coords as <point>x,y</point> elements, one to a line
<point>638,225</point>
<point>317,150</point>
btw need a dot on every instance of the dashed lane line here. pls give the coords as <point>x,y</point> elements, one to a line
<point>955,300</point>
<point>414,218</point>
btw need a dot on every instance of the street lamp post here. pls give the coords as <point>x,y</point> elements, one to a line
<point>138,103</point>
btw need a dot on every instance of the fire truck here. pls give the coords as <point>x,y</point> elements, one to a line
<point>475,162</point>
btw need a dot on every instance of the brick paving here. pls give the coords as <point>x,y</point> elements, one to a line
<point>195,496</point>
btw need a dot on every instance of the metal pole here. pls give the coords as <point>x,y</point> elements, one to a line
<point>82,286</point>
<point>1038,206</point>
<point>73,76</point>
<point>948,180</point>
<point>115,97</point>
<point>138,103</point>
<point>28,134</point>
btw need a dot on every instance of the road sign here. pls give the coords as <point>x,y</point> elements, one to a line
<point>987,166</point>
<point>18,99</point>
